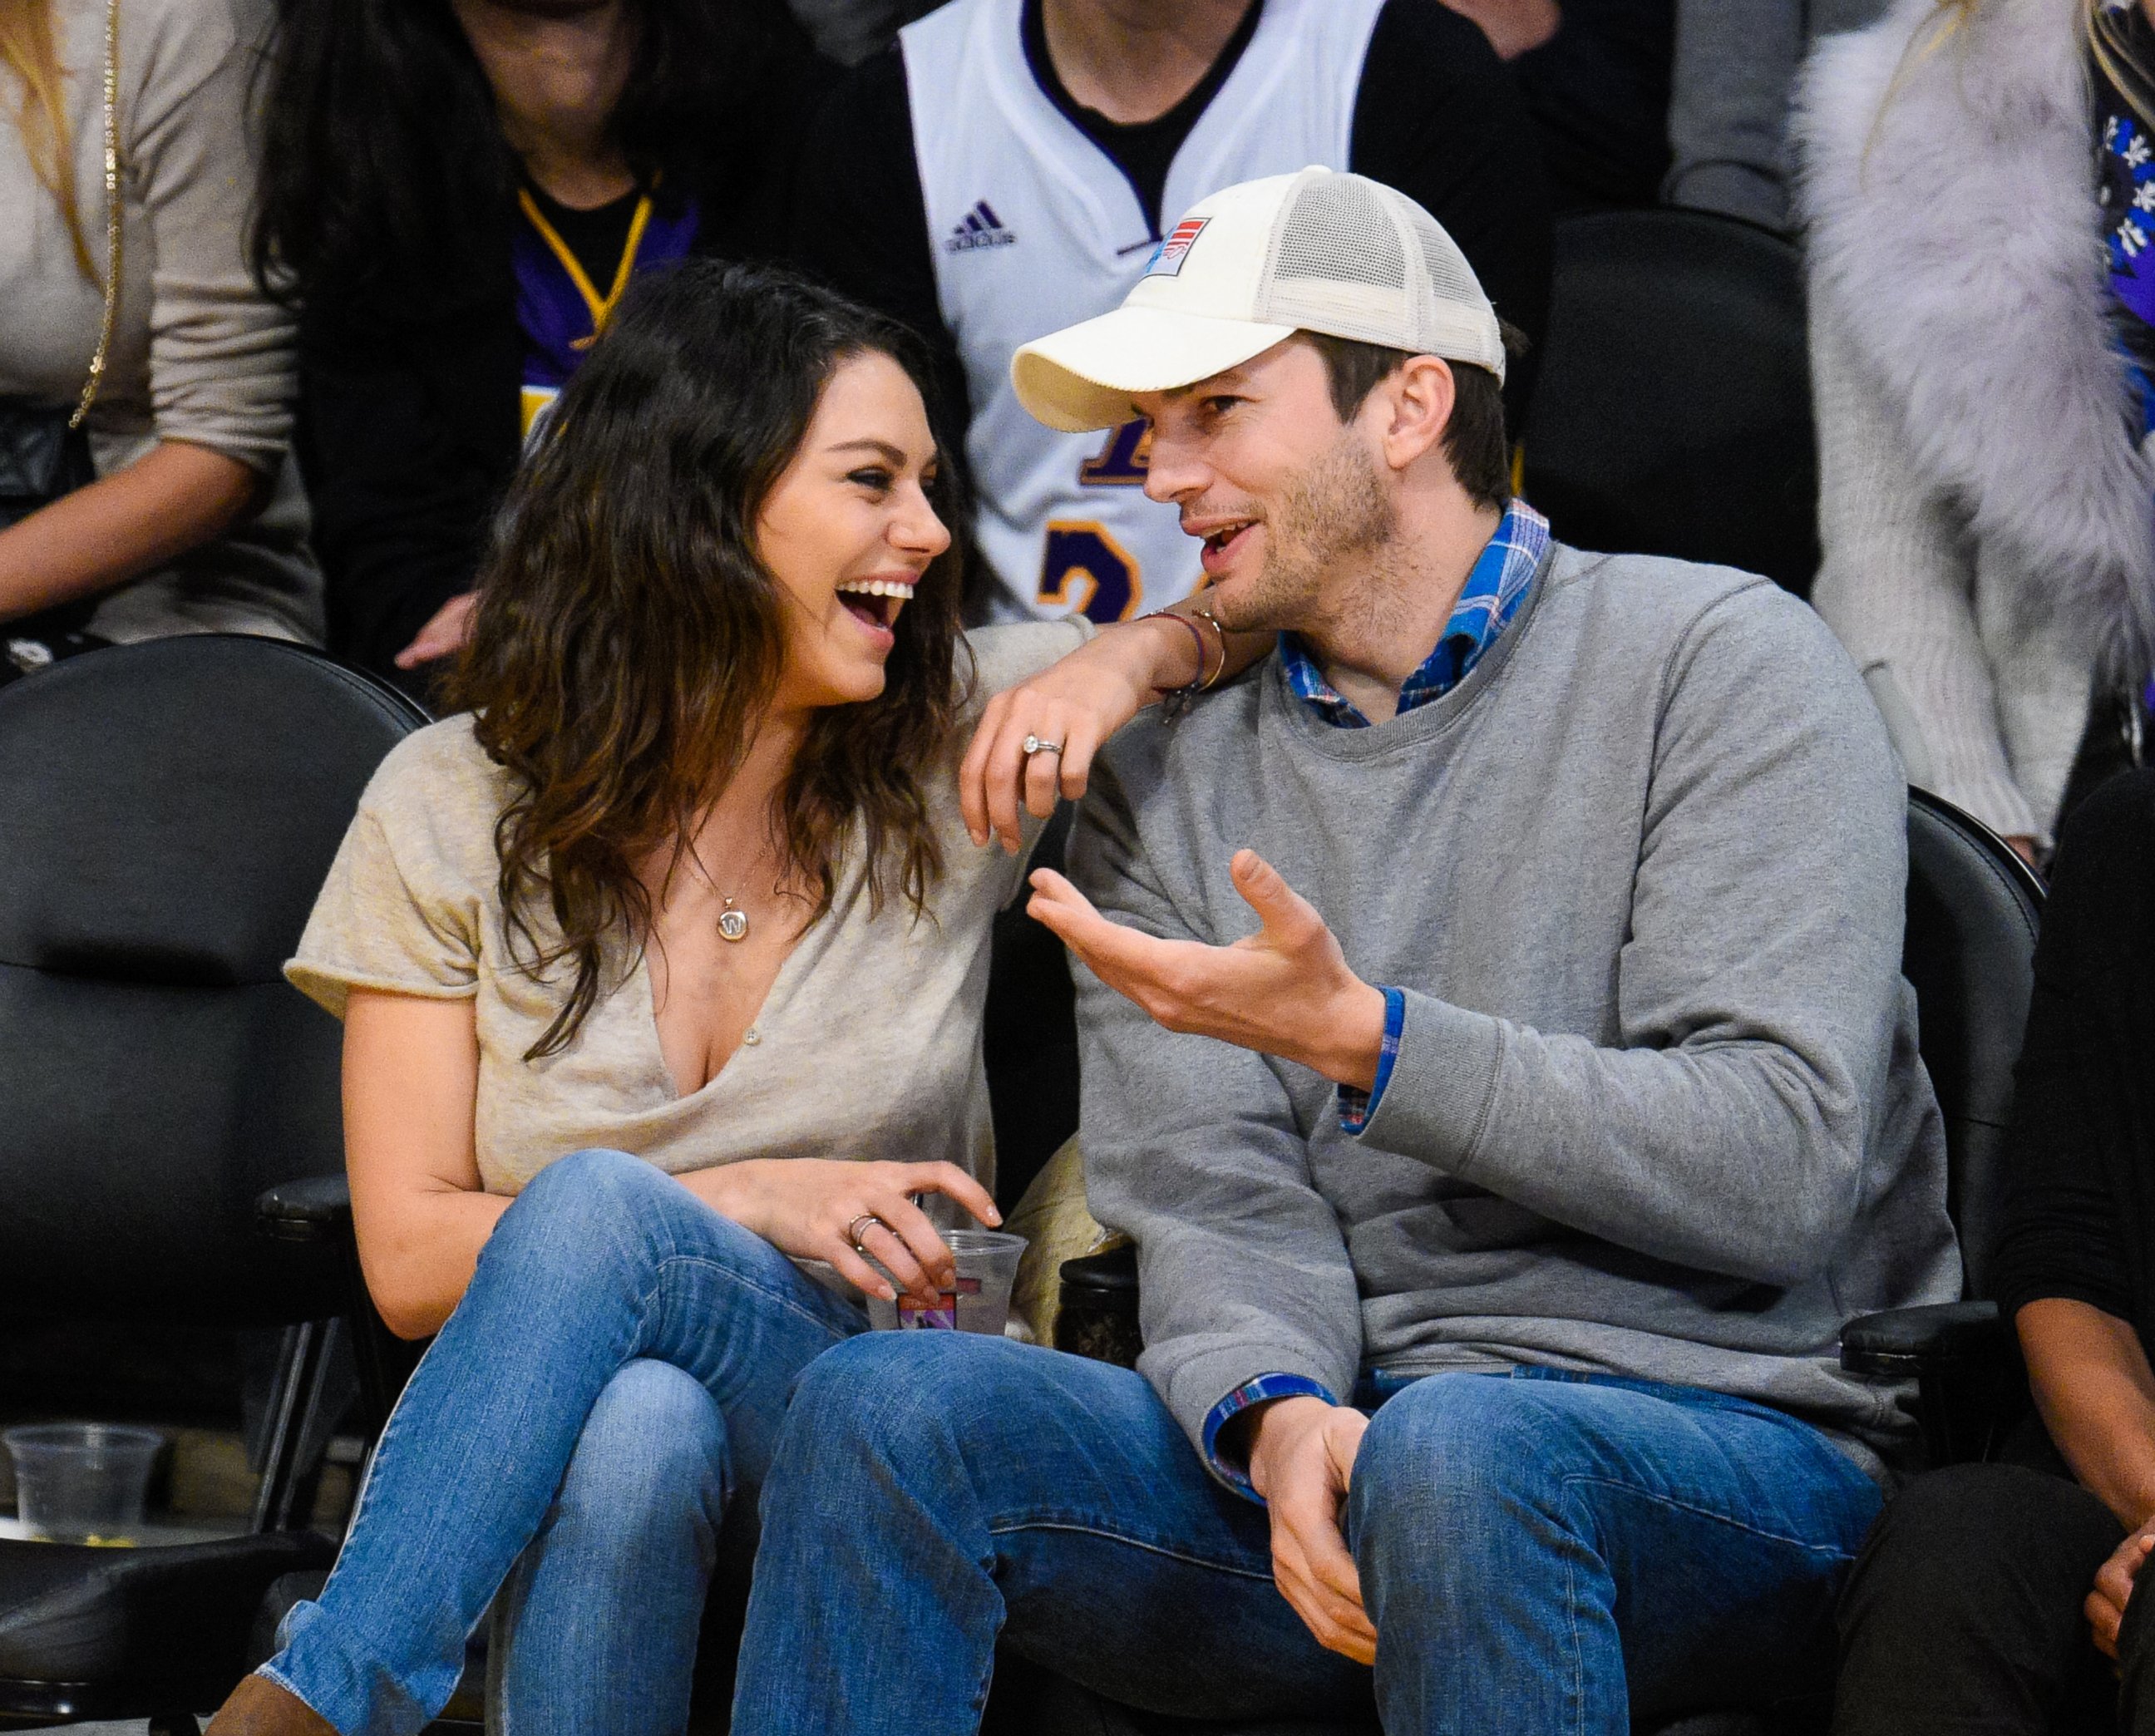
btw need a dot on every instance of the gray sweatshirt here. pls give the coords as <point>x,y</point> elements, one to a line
<point>1657,1110</point>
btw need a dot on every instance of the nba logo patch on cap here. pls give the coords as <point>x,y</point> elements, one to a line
<point>1173,251</point>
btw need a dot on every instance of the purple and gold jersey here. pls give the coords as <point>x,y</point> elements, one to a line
<point>560,307</point>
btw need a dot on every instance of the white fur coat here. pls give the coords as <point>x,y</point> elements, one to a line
<point>1956,253</point>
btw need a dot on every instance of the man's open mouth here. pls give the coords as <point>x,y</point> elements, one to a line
<point>1220,543</point>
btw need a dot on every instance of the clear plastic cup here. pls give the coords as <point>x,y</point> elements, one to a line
<point>82,1482</point>
<point>987,1267</point>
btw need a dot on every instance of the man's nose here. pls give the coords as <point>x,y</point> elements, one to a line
<point>1174,473</point>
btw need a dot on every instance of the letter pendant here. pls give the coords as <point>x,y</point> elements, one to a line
<point>733,923</point>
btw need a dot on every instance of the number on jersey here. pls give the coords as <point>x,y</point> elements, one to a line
<point>1122,462</point>
<point>1088,569</point>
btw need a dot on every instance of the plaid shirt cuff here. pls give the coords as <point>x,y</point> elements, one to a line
<point>1356,1107</point>
<point>1249,1393</point>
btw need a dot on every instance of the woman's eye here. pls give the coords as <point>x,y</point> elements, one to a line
<point>878,480</point>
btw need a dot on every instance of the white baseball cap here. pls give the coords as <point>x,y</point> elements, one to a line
<point>1251,266</point>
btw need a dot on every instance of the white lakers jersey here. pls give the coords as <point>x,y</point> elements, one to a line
<point>1034,227</point>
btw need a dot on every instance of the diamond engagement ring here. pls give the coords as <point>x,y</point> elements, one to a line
<point>1033,745</point>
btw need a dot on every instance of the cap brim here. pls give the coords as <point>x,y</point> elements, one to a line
<point>1084,377</point>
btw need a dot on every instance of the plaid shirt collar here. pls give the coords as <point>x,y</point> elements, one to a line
<point>1487,602</point>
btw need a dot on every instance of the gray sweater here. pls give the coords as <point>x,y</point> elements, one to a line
<point>1658,1110</point>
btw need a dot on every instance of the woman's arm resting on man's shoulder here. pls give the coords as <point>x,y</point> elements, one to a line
<point>411,1087</point>
<point>1079,702</point>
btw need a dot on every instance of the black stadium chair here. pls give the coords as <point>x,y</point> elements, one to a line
<point>167,813</point>
<point>1672,413</point>
<point>1973,911</point>
<point>1973,908</point>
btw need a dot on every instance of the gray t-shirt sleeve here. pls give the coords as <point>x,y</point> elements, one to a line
<point>402,909</point>
<point>1193,1149</point>
<point>1723,1126</point>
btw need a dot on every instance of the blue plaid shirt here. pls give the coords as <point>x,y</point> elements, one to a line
<point>1491,597</point>
<point>1498,584</point>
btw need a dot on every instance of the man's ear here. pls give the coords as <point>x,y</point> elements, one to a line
<point>1416,404</point>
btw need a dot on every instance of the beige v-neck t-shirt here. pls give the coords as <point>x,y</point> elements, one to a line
<point>868,1046</point>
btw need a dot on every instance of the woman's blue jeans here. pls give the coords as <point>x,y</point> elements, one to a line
<point>617,1373</point>
<point>1541,1554</point>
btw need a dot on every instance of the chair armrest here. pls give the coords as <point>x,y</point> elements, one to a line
<point>1907,1341</point>
<point>1099,1315</point>
<point>315,1208</point>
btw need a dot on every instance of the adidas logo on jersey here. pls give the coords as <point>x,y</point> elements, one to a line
<point>981,227</point>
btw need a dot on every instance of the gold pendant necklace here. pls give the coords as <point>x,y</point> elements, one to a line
<point>733,922</point>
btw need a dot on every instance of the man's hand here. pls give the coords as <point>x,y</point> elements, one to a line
<point>1513,27</point>
<point>1302,1456</point>
<point>2105,1607</point>
<point>1285,990</point>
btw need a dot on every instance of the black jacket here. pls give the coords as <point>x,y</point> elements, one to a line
<point>2079,1214</point>
<point>408,437</point>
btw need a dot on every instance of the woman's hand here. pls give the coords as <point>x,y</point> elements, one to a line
<point>807,1207</point>
<point>2114,1580</point>
<point>1078,703</point>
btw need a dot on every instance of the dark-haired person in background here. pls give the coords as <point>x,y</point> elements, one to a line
<point>455,194</point>
<point>1992,1599</point>
<point>1002,171</point>
<point>663,964</point>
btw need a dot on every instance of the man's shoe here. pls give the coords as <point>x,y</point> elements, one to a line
<point>259,1708</point>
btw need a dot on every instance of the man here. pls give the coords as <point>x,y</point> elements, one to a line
<point>1003,173</point>
<point>1563,1104</point>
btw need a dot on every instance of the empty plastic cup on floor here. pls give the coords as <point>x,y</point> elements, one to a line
<point>82,1482</point>
<point>987,1266</point>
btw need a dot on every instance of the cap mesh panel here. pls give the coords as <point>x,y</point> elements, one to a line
<point>1450,276</point>
<point>1338,230</point>
<point>1354,258</point>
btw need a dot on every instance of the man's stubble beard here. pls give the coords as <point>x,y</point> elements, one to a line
<point>1338,512</point>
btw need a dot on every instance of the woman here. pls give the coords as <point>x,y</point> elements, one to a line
<point>1981,386</point>
<point>455,194</point>
<point>2012,1599</point>
<point>694,883</point>
<point>185,515</point>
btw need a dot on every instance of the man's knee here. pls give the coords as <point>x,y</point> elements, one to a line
<point>651,1461</point>
<point>1456,1444</point>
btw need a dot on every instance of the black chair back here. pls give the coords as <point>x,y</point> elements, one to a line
<point>168,811</point>
<point>1973,911</point>
<point>1673,411</point>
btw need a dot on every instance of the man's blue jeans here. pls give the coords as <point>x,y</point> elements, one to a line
<point>616,1373</point>
<point>1540,1553</point>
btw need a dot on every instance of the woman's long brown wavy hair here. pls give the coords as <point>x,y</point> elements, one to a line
<point>628,637</point>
